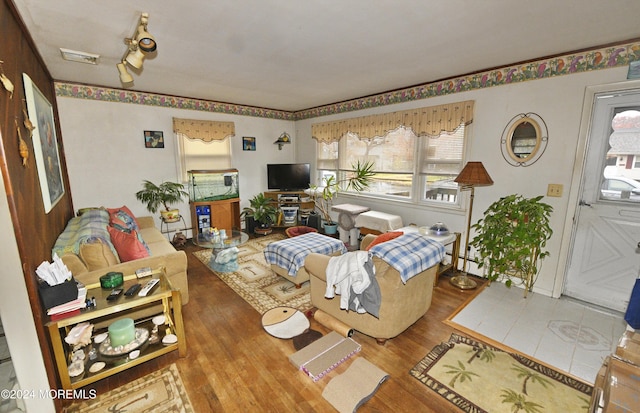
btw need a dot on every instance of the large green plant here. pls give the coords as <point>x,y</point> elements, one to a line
<point>511,239</point>
<point>165,194</point>
<point>323,196</point>
<point>262,210</point>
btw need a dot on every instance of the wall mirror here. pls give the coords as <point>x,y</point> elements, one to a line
<point>524,139</point>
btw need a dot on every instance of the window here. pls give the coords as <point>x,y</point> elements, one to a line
<point>202,145</point>
<point>196,154</point>
<point>411,162</point>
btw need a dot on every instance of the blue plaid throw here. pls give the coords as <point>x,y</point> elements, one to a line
<point>291,252</point>
<point>410,254</point>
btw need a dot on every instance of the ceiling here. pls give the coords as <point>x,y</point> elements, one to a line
<point>293,55</point>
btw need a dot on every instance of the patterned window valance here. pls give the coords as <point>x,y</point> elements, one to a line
<point>205,130</point>
<point>429,121</point>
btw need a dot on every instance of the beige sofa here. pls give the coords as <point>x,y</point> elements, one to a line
<point>401,304</point>
<point>95,259</point>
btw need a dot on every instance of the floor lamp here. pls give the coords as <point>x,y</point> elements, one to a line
<point>473,174</point>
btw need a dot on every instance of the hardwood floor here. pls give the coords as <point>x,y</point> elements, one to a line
<point>233,365</point>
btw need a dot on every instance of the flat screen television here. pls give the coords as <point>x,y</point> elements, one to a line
<point>288,176</point>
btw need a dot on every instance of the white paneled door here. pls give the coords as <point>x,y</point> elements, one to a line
<point>605,259</point>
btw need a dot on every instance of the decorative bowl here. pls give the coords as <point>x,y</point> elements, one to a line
<point>439,229</point>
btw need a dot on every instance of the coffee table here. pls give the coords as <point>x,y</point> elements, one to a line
<point>224,254</point>
<point>234,239</point>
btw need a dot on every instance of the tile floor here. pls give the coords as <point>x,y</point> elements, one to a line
<point>567,334</point>
<point>7,376</point>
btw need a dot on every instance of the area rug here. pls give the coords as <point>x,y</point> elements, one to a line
<point>477,377</point>
<point>160,391</point>
<point>256,283</point>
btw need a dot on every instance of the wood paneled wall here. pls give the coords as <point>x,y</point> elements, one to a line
<point>35,231</point>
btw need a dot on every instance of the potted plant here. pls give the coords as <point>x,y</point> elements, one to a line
<point>511,239</point>
<point>163,195</point>
<point>263,212</point>
<point>323,196</point>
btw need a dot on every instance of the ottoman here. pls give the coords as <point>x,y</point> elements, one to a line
<point>286,257</point>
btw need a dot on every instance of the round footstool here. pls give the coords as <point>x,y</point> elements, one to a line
<point>285,322</point>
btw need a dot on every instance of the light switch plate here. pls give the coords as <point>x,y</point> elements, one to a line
<point>554,190</point>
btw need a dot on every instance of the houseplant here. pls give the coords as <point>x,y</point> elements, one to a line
<point>263,212</point>
<point>511,239</point>
<point>323,196</point>
<point>163,195</point>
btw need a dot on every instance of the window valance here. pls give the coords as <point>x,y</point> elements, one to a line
<point>428,121</point>
<point>205,130</point>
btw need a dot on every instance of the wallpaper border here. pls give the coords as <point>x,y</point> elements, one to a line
<point>586,61</point>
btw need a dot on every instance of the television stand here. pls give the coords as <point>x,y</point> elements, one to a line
<point>289,199</point>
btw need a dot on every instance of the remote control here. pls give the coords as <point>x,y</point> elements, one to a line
<point>115,294</point>
<point>151,284</point>
<point>132,290</point>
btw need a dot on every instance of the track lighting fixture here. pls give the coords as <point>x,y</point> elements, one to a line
<point>138,46</point>
<point>125,76</point>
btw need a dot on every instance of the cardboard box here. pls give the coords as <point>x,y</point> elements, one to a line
<point>628,348</point>
<point>622,390</point>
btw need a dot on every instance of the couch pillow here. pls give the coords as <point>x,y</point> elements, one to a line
<point>74,264</point>
<point>128,245</point>
<point>97,255</point>
<point>387,236</point>
<point>122,218</point>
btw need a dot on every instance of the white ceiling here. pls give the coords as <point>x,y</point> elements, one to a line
<point>298,54</point>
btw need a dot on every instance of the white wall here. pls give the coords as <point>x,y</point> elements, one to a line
<point>107,160</point>
<point>17,319</point>
<point>558,101</point>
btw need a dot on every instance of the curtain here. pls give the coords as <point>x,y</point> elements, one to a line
<point>427,121</point>
<point>205,130</point>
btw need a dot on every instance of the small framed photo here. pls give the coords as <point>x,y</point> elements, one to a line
<point>634,70</point>
<point>153,139</point>
<point>248,143</point>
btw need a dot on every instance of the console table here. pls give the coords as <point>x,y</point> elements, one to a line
<point>108,311</point>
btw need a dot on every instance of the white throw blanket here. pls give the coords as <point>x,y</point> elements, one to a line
<point>347,272</point>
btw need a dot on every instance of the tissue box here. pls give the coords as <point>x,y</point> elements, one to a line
<point>53,295</point>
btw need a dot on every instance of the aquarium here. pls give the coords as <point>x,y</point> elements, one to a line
<point>213,185</point>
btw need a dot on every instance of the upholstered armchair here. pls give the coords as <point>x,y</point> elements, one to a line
<point>401,304</point>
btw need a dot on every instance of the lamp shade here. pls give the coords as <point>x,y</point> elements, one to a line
<point>135,58</point>
<point>473,174</point>
<point>125,76</point>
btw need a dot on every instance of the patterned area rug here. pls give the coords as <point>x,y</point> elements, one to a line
<point>157,392</point>
<point>477,377</point>
<point>256,283</point>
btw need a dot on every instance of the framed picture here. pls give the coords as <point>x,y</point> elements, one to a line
<point>153,139</point>
<point>248,143</point>
<point>45,144</point>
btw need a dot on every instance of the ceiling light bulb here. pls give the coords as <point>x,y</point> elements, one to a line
<point>146,42</point>
<point>125,76</point>
<point>135,58</point>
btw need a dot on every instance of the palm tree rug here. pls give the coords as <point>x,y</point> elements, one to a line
<point>256,283</point>
<point>477,377</point>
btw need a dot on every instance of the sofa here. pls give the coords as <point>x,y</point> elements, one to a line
<point>103,240</point>
<point>401,304</point>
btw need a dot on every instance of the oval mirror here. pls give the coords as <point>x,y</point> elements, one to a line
<point>524,140</point>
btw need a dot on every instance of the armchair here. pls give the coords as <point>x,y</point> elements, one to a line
<point>401,304</point>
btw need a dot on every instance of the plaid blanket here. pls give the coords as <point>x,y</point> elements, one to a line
<point>291,252</point>
<point>88,227</point>
<point>410,254</point>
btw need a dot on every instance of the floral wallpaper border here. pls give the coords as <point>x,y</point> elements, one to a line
<point>595,59</point>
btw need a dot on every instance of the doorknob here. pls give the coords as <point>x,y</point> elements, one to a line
<point>583,203</point>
